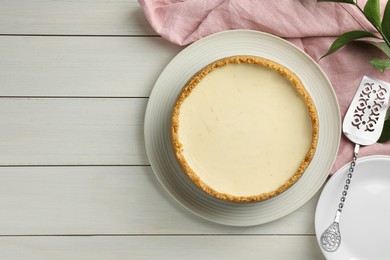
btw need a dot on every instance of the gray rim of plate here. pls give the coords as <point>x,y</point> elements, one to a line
<point>328,204</point>
<point>173,78</point>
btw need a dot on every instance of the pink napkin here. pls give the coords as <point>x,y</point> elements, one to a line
<point>309,25</point>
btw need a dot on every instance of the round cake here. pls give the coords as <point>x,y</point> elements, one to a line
<point>244,129</point>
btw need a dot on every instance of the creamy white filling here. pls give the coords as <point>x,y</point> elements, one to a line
<point>244,129</point>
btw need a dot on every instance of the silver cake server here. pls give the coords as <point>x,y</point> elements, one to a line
<point>363,125</point>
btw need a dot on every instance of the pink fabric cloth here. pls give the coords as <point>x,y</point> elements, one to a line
<point>309,25</point>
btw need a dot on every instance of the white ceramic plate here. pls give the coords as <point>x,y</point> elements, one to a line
<point>182,68</point>
<point>365,220</point>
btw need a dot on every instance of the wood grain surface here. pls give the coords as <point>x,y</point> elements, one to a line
<point>75,178</point>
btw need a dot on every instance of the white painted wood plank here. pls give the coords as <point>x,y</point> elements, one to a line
<point>96,17</point>
<point>111,200</point>
<point>72,131</point>
<point>100,200</point>
<point>82,66</point>
<point>161,247</point>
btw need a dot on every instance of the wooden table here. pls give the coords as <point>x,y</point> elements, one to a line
<point>76,183</point>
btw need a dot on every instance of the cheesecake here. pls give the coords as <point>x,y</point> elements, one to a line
<point>244,129</point>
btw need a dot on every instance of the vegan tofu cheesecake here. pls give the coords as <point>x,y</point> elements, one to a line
<point>244,129</point>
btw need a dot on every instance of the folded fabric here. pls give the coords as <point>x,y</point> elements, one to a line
<point>309,25</point>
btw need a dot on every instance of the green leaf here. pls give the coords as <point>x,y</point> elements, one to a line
<point>380,45</point>
<point>386,21</point>
<point>385,136</point>
<point>380,64</point>
<point>347,38</point>
<point>372,12</point>
<point>338,1</point>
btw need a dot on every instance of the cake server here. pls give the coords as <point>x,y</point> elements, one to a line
<point>363,125</point>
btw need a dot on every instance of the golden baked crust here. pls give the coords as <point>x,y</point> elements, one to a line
<point>193,82</point>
